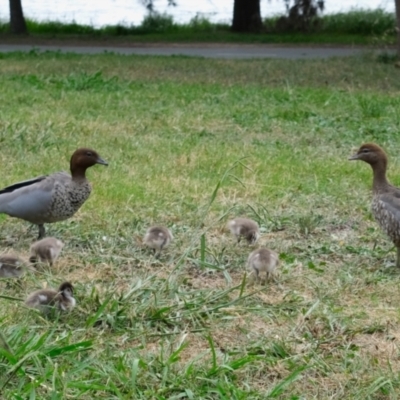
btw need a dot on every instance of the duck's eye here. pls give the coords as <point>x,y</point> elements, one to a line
<point>365,150</point>
<point>89,153</point>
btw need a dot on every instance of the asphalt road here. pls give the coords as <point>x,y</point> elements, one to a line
<point>196,50</point>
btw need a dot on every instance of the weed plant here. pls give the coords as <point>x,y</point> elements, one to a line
<point>190,143</point>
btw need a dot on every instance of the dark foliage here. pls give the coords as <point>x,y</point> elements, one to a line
<point>302,16</point>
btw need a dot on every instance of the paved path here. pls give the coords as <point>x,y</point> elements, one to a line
<point>230,51</point>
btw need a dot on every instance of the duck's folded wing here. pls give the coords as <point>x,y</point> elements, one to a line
<point>390,205</point>
<point>19,185</point>
<point>32,199</point>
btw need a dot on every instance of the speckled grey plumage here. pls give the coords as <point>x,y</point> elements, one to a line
<point>386,197</point>
<point>51,198</point>
<point>55,198</point>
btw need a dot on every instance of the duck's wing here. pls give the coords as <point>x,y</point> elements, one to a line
<point>30,200</point>
<point>395,192</point>
<point>19,185</point>
<point>386,210</point>
<point>391,203</point>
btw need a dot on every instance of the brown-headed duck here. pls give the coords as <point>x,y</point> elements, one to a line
<point>51,198</point>
<point>386,197</point>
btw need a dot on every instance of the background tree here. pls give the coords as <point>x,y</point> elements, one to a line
<point>302,16</point>
<point>247,16</point>
<point>17,20</point>
<point>397,3</point>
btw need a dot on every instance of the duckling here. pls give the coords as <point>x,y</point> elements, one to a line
<point>11,266</point>
<point>263,260</point>
<point>51,198</point>
<point>46,299</point>
<point>244,227</point>
<point>385,197</point>
<point>46,250</point>
<point>157,238</point>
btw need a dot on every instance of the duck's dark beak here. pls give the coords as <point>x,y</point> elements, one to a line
<point>101,161</point>
<point>353,157</point>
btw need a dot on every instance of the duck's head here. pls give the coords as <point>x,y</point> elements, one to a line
<point>66,289</point>
<point>84,158</point>
<point>371,153</point>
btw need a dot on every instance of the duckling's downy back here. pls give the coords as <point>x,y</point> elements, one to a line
<point>263,261</point>
<point>46,299</point>
<point>11,266</point>
<point>157,237</point>
<point>46,250</point>
<point>244,227</point>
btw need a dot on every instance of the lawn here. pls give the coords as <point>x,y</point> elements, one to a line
<point>192,142</point>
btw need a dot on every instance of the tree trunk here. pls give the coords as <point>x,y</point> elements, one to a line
<point>17,20</point>
<point>247,16</point>
<point>397,3</point>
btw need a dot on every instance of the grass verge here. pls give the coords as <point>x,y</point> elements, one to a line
<point>356,27</point>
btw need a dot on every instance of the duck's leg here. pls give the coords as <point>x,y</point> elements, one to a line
<point>42,231</point>
<point>156,254</point>
<point>398,257</point>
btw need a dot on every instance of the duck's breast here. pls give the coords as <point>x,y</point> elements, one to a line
<point>67,198</point>
<point>386,210</point>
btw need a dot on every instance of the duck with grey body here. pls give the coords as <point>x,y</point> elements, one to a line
<point>46,299</point>
<point>385,197</point>
<point>246,228</point>
<point>46,250</point>
<point>158,238</point>
<point>51,198</point>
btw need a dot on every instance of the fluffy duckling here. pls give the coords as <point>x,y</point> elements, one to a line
<point>157,238</point>
<point>385,197</point>
<point>244,227</point>
<point>263,260</point>
<point>46,299</point>
<point>51,198</point>
<point>46,250</point>
<point>11,266</point>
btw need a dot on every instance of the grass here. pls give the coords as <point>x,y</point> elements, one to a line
<point>190,143</point>
<point>356,27</point>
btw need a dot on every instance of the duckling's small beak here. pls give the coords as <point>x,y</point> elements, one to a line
<point>353,157</point>
<point>101,161</point>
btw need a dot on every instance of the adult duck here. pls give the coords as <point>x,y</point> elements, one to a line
<point>386,197</point>
<point>51,198</point>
